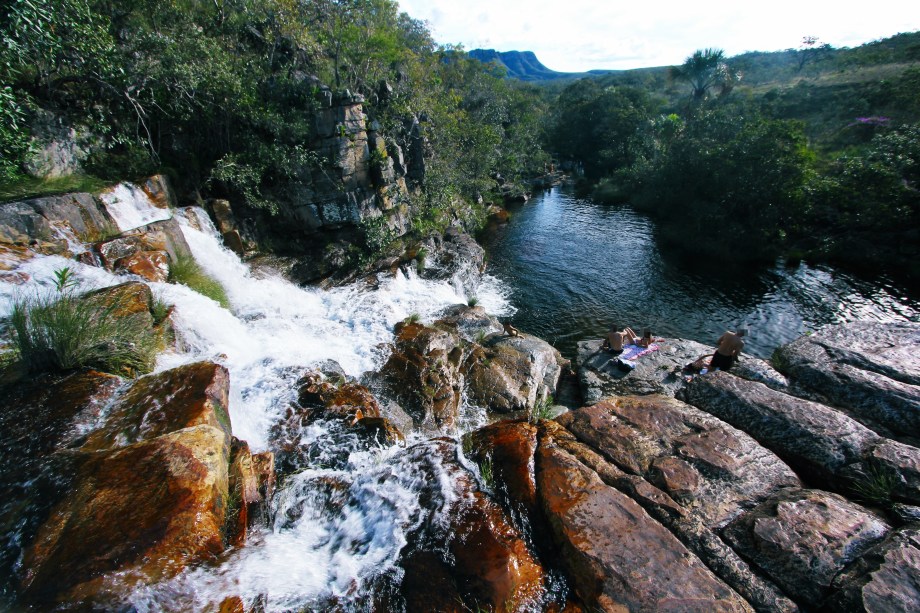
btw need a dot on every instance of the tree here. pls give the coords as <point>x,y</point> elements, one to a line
<point>705,69</point>
<point>810,51</point>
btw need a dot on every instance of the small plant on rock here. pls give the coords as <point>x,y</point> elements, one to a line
<point>472,301</point>
<point>875,486</point>
<point>542,409</point>
<point>186,271</point>
<point>66,330</point>
<point>485,472</point>
<point>414,318</point>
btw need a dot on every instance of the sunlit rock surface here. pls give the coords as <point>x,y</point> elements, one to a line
<point>870,369</point>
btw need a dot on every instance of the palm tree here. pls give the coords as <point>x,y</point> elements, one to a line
<point>704,69</point>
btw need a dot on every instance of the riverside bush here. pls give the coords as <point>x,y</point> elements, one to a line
<point>186,271</point>
<point>65,331</point>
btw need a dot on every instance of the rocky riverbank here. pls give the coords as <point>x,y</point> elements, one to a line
<point>791,485</point>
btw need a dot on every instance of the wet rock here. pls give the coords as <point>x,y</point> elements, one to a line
<point>149,265</point>
<point>515,373</point>
<point>872,369</point>
<point>510,446</point>
<point>886,578</point>
<point>818,441</point>
<point>160,192</point>
<point>658,372</point>
<point>138,514</point>
<point>423,374</point>
<point>183,397</point>
<point>618,557</point>
<point>163,237</point>
<point>472,550</point>
<point>21,223</point>
<point>251,480</point>
<point>803,539</point>
<point>472,323</point>
<point>456,255</point>
<point>352,421</point>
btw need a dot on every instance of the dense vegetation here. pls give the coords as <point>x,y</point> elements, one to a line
<point>812,152</point>
<point>221,94</point>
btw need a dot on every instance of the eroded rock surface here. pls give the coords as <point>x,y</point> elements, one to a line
<point>658,372</point>
<point>871,369</point>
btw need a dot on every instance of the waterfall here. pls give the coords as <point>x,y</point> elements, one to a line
<point>131,207</point>
<point>272,333</point>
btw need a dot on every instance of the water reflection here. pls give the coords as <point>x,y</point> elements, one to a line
<point>575,267</point>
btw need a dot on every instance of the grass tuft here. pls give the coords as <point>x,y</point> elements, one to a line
<point>30,187</point>
<point>186,271</point>
<point>66,331</point>
<point>542,409</point>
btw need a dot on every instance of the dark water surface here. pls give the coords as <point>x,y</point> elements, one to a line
<point>575,267</point>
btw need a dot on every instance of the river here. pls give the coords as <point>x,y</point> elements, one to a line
<point>574,267</point>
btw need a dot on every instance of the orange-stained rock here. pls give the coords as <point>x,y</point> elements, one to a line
<point>132,298</point>
<point>473,555</point>
<point>348,401</point>
<point>190,395</point>
<point>381,430</point>
<point>510,445</point>
<point>150,265</point>
<point>249,482</point>
<point>160,191</point>
<point>619,558</point>
<point>140,513</point>
<point>165,236</point>
<point>232,604</point>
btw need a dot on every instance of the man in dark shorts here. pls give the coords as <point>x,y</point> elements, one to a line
<point>617,338</point>
<point>729,348</point>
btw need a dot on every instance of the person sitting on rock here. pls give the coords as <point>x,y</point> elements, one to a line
<point>729,348</point>
<point>617,339</point>
<point>646,339</point>
<point>510,330</point>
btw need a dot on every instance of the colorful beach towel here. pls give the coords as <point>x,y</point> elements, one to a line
<point>634,352</point>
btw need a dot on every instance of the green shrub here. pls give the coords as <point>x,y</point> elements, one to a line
<point>185,270</point>
<point>472,301</point>
<point>65,331</point>
<point>542,409</point>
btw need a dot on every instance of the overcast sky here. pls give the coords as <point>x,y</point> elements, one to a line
<point>578,35</point>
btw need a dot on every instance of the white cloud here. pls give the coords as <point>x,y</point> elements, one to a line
<point>576,35</point>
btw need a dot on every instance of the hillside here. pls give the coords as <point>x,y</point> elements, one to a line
<point>524,65</point>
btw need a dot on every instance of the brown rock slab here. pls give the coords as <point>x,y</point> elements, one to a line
<point>190,395</point>
<point>140,513</point>
<point>803,539</point>
<point>822,443</point>
<point>710,467</point>
<point>885,579</point>
<point>618,557</point>
<point>149,265</point>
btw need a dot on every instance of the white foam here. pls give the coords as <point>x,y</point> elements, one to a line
<point>131,207</point>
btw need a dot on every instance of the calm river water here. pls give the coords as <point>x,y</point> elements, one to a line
<point>575,266</point>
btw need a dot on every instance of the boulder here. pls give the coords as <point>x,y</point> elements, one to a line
<point>510,446</point>
<point>659,372</point>
<point>617,556</point>
<point>183,397</point>
<point>455,256</point>
<point>821,443</point>
<point>472,323</point>
<point>136,514</point>
<point>467,547</point>
<point>161,237</point>
<point>423,374</point>
<point>803,539</point>
<point>514,373</point>
<point>885,579</point>
<point>871,369</point>
<point>692,525</point>
<point>160,192</point>
<point>352,419</point>
<point>251,482</point>
<point>41,219</point>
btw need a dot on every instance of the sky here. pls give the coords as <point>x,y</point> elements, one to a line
<point>580,35</point>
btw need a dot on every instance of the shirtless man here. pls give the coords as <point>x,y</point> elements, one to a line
<point>616,339</point>
<point>730,346</point>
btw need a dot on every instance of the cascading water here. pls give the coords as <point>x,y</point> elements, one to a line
<point>317,551</point>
